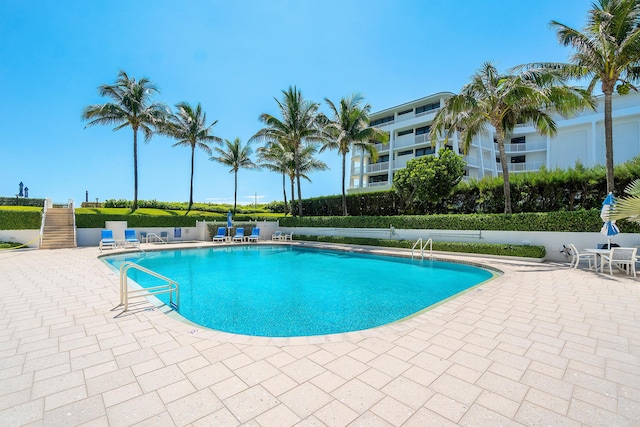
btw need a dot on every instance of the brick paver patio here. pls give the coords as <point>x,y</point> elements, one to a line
<point>541,345</point>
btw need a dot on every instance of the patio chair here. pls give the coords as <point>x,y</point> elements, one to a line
<point>164,236</point>
<point>221,235</point>
<point>143,236</point>
<point>255,235</point>
<point>621,258</point>
<point>239,234</point>
<point>130,239</point>
<point>577,256</point>
<point>287,236</point>
<point>277,235</point>
<point>107,240</point>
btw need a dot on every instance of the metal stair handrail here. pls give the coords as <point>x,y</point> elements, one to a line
<point>171,287</point>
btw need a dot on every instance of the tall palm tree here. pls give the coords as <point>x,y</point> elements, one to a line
<point>349,128</point>
<point>189,127</point>
<point>503,101</point>
<point>235,156</point>
<point>299,126</point>
<point>276,158</point>
<point>132,106</point>
<point>607,50</point>
<point>307,163</point>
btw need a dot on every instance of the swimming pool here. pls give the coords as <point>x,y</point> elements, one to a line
<point>287,291</point>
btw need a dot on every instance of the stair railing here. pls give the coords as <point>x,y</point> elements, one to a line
<point>47,204</point>
<point>419,244</point>
<point>171,287</point>
<point>73,216</point>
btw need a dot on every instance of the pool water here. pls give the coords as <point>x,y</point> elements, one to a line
<point>283,291</point>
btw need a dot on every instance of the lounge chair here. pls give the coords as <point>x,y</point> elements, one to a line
<point>577,256</point>
<point>277,235</point>
<point>287,236</point>
<point>107,239</point>
<point>130,239</point>
<point>164,236</point>
<point>221,236</point>
<point>621,258</point>
<point>143,237</point>
<point>239,234</point>
<point>255,235</point>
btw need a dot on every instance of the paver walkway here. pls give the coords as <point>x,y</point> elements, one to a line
<point>541,345</point>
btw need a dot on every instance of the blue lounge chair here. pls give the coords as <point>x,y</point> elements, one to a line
<point>130,239</point>
<point>107,239</point>
<point>221,236</point>
<point>164,236</point>
<point>255,235</point>
<point>239,234</point>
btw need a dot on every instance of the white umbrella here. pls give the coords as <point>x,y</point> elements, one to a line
<point>609,228</point>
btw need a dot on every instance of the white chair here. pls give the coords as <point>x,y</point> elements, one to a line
<point>621,258</point>
<point>577,256</point>
<point>277,235</point>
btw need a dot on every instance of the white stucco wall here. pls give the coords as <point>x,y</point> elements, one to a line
<point>21,236</point>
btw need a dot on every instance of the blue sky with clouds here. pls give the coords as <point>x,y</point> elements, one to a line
<point>233,58</point>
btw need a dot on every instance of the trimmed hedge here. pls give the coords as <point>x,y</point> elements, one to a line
<point>469,248</point>
<point>574,221</point>
<point>20,220</point>
<point>21,201</point>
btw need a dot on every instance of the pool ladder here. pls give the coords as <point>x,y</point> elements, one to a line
<point>419,244</point>
<point>171,287</point>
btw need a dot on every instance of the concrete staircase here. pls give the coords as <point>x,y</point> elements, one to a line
<point>58,229</point>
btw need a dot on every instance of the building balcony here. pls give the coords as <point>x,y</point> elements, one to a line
<point>523,167</point>
<point>382,147</point>
<point>521,148</point>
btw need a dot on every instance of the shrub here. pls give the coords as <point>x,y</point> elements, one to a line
<point>470,248</point>
<point>20,219</point>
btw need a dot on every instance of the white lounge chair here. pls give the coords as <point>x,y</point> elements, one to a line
<point>621,258</point>
<point>107,240</point>
<point>277,235</point>
<point>577,256</point>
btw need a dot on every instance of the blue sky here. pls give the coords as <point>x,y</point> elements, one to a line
<point>234,57</point>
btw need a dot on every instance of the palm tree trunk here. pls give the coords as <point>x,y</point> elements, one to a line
<point>505,171</point>
<point>135,168</point>
<point>299,187</point>
<point>292,196</point>
<point>344,197</point>
<point>193,153</point>
<point>284,193</point>
<point>608,139</point>
<point>235,190</point>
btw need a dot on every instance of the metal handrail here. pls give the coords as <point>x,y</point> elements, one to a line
<point>157,237</point>
<point>44,215</point>
<point>170,287</point>
<point>73,215</point>
<point>422,247</point>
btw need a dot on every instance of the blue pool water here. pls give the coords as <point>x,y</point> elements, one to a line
<point>282,291</point>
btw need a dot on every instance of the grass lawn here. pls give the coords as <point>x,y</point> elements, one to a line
<point>164,212</point>
<point>21,208</point>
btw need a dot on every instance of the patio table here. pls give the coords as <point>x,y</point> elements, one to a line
<point>599,253</point>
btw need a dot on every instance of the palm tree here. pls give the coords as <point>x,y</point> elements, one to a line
<point>503,101</point>
<point>307,163</point>
<point>276,158</point>
<point>189,127</point>
<point>299,126</point>
<point>607,50</point>
<point>628,207</point>
<point>132,107</point>
<point>349,128</point>
<point>235,156</point>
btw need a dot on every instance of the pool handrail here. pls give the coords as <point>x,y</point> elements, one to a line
<point>422,247</point>
<point>170,287</point>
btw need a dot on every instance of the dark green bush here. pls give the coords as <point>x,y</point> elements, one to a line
<point>21,201</point>
<point>182,206</point>
<point>20,220</point>
<point>574,221</point>
<point>470,248</point>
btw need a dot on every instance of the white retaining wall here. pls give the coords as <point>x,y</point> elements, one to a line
<point>552,241</point>
<point>21,236</point>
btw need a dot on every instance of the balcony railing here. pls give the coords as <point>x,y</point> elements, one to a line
<point>382,147</point>
<point>404,141</point>
<point>384,124</point>
<point>527,146</point>
<point>523,167</point>
<point>376,167</point>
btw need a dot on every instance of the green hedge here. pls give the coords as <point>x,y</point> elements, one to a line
<point>20,220</point>
<point>573,221</point>
<point>469,248</point>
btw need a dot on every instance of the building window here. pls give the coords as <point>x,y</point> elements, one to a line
<point>405,132</point>
<point>423,130</point>
<point>518,159</point>
<point>497,159</point>
<point>428,107</point>
<point>378,178</point>
<point>518,140</point>
<point>382,120</point>
<point>410,110</point>
<point>424,151</point>
<point>382,159</point>
<point>405,153</point>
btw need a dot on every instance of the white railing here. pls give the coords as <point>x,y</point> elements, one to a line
<point>382,147</point>
<point>171,287</point>
<point>406,116</point>
<point>424,113</point>
<point>376,167</point>
<point>384,124</point>
<point>376,184</point>
<point>527,146</point>
<point>73,216</point>
<point>523,167</point>
<point>404,141</point>
<point>419,244</point>
<point>399,164</point>
<point>48,203</point>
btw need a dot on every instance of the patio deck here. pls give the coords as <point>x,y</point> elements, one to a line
<point>541,345</point>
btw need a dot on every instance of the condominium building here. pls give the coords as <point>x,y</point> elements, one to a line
<point>580,138</point>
